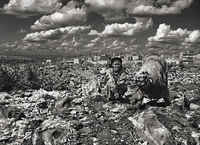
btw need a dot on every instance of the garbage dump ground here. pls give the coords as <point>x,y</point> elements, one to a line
<point>58,113</point>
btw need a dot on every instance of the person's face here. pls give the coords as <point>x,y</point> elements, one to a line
<point>116,66</point>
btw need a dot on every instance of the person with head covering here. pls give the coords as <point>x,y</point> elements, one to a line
<point>115,80</point>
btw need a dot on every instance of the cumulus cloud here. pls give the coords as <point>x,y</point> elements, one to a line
<point>93,32</point>
<point>68,15</point>
<point>164,7</point>
<point>74,13</point>
<point>140,7</point>
<point>165,33</point>
<point>124,29</point>
<point>193,37</point>
<point>60,13</point>
<point>99,44</point>
<point>107,8</point>
<point>41,36</point>
<point>162,32</point>
<point>106,4</point>
<point>31,7</point>
<point>54,33</point>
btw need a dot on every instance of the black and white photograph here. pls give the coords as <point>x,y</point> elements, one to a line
<point>99,72</point>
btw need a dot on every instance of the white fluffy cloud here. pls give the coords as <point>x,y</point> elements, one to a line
<point>165,33</point>
<point>60,13</point>
<point>53,33</point>
<point>68,15</point>
<point>106,4</point>
<point>94,32</point>
<point>141,7</point>
<point>193,37</point>
<point>41,36</point>
<point>31,7</point>
<point>112,8</point>
<point>162,32</point>
<point>138,7</point>
<point>173,7</point>
<point>124,29</point>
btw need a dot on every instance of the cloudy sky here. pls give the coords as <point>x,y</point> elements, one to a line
<point>82,26</point>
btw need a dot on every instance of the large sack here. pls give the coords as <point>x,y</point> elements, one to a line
<point>152,79</point>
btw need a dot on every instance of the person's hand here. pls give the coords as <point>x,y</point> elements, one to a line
<point>127,95</point>
<point>116,95</point>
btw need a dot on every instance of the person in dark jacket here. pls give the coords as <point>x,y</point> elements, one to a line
<point>115,80</point>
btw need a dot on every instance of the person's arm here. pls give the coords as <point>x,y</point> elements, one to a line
<point>103,79</point>
<point>130,84</point>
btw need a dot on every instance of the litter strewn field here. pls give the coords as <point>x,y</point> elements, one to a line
<point>45,105</point>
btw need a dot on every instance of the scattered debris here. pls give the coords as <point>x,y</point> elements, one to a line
<point>63,113</point>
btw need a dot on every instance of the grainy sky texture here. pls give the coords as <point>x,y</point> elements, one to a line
<point>67,25</point>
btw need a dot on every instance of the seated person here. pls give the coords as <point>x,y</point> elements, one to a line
<point>115,80</point>
<point>113,83</point>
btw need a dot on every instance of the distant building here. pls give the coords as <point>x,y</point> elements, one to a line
<point>96,58</point>
<point>52,66</point>
<point>101,59</point>
<point>76,61</point>
<point>48,61</point>
<point>136,59</point>
<point>102,62</point>
<point>88,59</point>
<point>70,62</point>
<point>129,58</point>
<point>172,62</point>
<point>186,58</point>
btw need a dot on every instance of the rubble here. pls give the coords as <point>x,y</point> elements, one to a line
<point>151,129</point>
<point>80,114</point>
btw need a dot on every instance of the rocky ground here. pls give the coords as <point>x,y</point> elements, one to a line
<point>40,117</point>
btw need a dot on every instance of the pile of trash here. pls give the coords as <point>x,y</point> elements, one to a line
<point>39,117</point>
<point>81,115</point>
